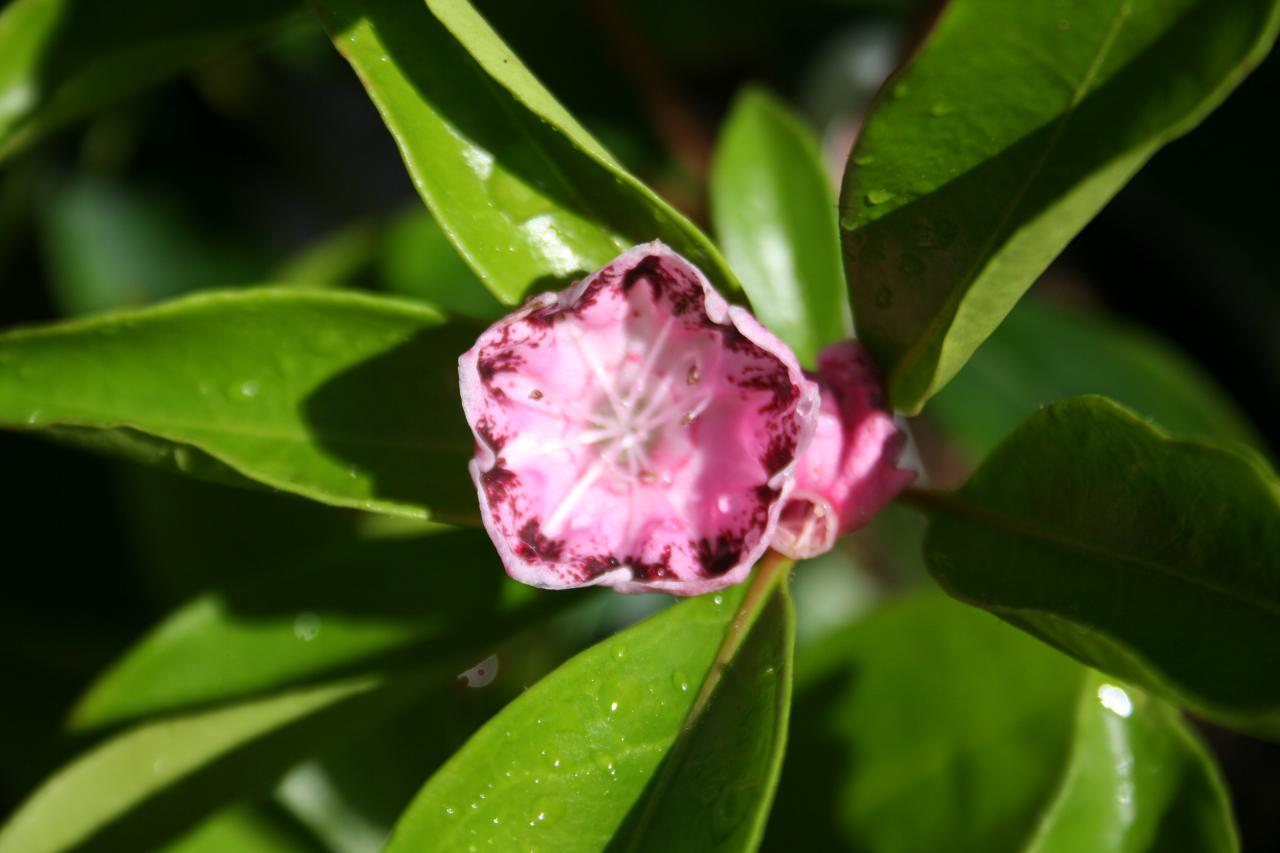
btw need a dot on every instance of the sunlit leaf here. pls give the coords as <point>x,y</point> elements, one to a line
<point>1007,132</point>
<point>666,736</point>
<point>528,197</point>
<point>774,212</point>
<point>342,398</point>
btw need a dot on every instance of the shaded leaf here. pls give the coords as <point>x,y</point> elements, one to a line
<point>598,754</point>
<point>109,245</point>
<point>528,197</point>
<point>928,726</point>
<point>1042,353</point>
<point>417,260</point>
<point>346,399</point>
<point>62,59</point>
<point>932,726</point>
<point>245,829</point>
<point>1004,136</point>
<point>774,213</point>
<point>439,601</point>
<point>1138,780</point>
<point>1150,558</point>
<point>160,778</point>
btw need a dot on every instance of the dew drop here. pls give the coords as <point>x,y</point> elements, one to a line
<point>718,600</point>
<point>901,89</point>
<point>681,681</point>
<point>864,160</point>
<point>605,763</point>
<point>619,653</point>
<point>249,389</point>
<point>878,196</point>
<point>940,109</point>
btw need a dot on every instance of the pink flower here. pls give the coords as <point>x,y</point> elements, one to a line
<point>634,431</point>
<point>848,472</point>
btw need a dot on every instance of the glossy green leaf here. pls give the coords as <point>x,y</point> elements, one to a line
<point>244,829</point>
<point>1138,780</point>
<point>1153,559</point>
<point>1000,141</point>
<point>928,726</point>
<point>61,60</point>
<point>666,736</point>
<point>346,399</point>
<point>153,781</point>
<point>441,601</point>
<point>528,197</point>
<point>1042,353</point>
<point>774,212</point>
<point>932,726</point>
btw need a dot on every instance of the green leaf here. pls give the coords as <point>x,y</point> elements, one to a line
<point>666,736</point>
<point>245,830</point>
<point>109,245</point>
<point>528,197</point>
<point>440,600</point>
<point>346,399</point>
<point>1150,558</point>
<point>61,60</point>
<point>417,260</point>
<point>1043,352</point>
<point>932,726</point>
<point>1007,133</point>
<point>1137,781</point>
<point>774,213</point>
<point>158,779</point>
<point>929,726</point>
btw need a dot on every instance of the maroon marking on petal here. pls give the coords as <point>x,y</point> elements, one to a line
<point>590,295</point>
<point>721,555</point>
<point>498,483</point>
<point>781,450</point>
<point>776,383</point>
<point>490,364</point>
<point>660,569</point>
<point>649,268</point>
<point>596,565</point>
<point>485,429</point>
<point>534,544</point>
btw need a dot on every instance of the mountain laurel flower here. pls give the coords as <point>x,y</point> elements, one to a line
<point>849,471</point>
<point>634,431</point>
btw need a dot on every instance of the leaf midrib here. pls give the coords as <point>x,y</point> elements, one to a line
<point>957,506</point>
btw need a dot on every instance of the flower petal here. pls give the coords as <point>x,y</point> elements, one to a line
<point>634,430</point>
<point>849,471</point>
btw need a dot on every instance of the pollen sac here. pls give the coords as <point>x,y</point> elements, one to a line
<point>634,431</point>
<point>848,472</point>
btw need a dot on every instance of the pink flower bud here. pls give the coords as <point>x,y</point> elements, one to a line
<point>849,471</point>
<point>634,431</point>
